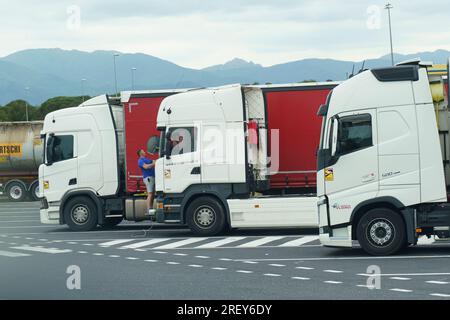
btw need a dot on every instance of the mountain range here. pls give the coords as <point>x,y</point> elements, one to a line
<point>38,74</point>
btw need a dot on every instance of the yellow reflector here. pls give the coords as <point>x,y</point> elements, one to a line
<point>46,185</point>
<point>418,230</point>
<point>160,206</point>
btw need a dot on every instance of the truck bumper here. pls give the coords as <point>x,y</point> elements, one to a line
<point>49,214</point>
<point>341,240</point>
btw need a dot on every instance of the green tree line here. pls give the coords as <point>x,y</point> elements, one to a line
<point>15,110</point>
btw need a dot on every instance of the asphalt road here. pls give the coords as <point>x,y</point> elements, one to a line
<point>50,262</point>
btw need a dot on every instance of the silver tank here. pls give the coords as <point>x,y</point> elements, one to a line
<point>21,149</point>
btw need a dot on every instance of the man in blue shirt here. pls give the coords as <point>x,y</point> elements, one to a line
<point>147,167</point>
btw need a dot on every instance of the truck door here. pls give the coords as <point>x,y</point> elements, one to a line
<point>61,164</point>
<point>352,175</point>
<point>182,158</point>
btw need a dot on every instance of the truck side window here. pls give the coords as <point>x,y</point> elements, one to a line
<point>183,140</point>
<point>354,133</point>
<point>62,148</point>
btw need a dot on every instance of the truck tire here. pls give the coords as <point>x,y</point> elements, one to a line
<point>34,191</point>
<point>205,216</point>
<point>111,222</point>
<point>381,232</point>
<point>80,214</point>
<point>16,191</point>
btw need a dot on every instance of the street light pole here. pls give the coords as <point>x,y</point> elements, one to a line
<point>132,78</point>
<point>388,7</point>
<point>26,103</point>
<point>115,72</point>
<point>82,88</point>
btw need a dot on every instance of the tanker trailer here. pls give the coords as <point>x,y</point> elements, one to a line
<point>21,153</point>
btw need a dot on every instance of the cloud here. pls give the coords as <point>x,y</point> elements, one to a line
<point>198,33</point>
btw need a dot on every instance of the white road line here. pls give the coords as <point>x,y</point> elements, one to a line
<point>82,251</point>
<point>250,262</point>
<point>277,265</point>
<point>300,278</point>
<point>400,278</point>
<point>13,254</point>
<point>272,275</point>
<point>219,243</point>
<point>437,282</point>
<point>299,242</point>
<point>333,282</point>
<point>442,295</point>
<point>172,262</point>
<point>181,243</point>
<point>195,266</point>
<point>160,252</point>
<point>225,259</point>
<point>351,258</point>
<point>43,250</point>
<point>202,257</point>
<point>87,244</point>
<point>259,242</point>
<point>114,242</point>
<point>244,271</point>
<point>132,258</point>
<point>404,274</point>
<point>26,227</point>
<point>219,268</point>
<point>180,254</point>
<point>144,243</point>
<point>19,221</point>
<point>400,290</point>
<point>114,256</point>
<point>98,254</point>
<point>304,268</point>
<point>333,271</point>
<point>151,260</point>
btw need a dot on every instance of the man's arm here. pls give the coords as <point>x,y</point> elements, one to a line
<point>149,166</point>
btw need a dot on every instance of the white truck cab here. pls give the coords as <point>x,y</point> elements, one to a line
<point>380,178</point>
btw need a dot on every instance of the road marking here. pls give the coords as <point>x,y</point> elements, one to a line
<point>132,258</point>
<point>114,256</point>
<point>160,252</point>
<point>333,282</point>
<point>259,242</point>
<point>250,262</point>
<point>98,254</point>
<point>333,271</point>
<point>404,274</point>
<point>225,259</point>
<point>219,243</point>
<point>219,268</point>
<point>18,221</point>
<point>181,243</point>
<point>299,242</point>
<point>114,242</point>
<point>442,295</point>
<point>300,278</point>
<point>151,260</point>
<point>272,275</point>
<point>350,258</point>
<point>172,262</point>
<point>26,227</point>
<point>180,254</point>
<point>244,271</point>
<point>400,278</point>
<point>202,257</point>
<point>304,268</point>
<point>13,254</point>
<point>277,265</point>
<point>43,250</point>
<point>87,244</point>
<point>195,266</point>
<point>82,251</point>
<point>437,282</point>
<point>400,290</point>
<point>144,243</point>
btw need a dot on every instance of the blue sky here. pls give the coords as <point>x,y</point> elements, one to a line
<point>199,33</point>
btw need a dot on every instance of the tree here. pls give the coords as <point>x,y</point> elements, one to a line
<point>58,103</point>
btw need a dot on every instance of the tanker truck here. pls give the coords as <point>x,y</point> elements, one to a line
<point>20,156</point>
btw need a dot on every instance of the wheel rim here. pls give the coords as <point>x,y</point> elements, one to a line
<point>205,216</point>
<point>36,192</point>
<point>380,232</point>
<point>80,214</point>
<point>16,192</point>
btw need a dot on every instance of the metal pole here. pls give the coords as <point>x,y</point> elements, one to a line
<point>115,72</point>
<point>132,78</point>
<point>82,88</point>
<point>388,7</point>
<point>26,104</point>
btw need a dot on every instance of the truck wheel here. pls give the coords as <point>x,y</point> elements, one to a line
<point>34,191</point>
<point>16,191</point>
<point>205,216</point>
<point>111,222</point>
<point>381,232</point>
<point>80,214</point>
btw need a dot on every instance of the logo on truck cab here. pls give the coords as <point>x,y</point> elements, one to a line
<point>329,174</point>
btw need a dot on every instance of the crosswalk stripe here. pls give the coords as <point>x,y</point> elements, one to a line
<point>259,242</point>
<point>43,250</point>
<point>144,243</point>
<point>13,254</point>
<point>299,242</point>
<point>180,243</point>
<point>221,242</point>
<point>114,242</point>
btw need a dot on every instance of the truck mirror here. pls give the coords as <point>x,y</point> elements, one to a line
<point>334,138</point>
<point>49,150</point>
<point>153,144</point>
